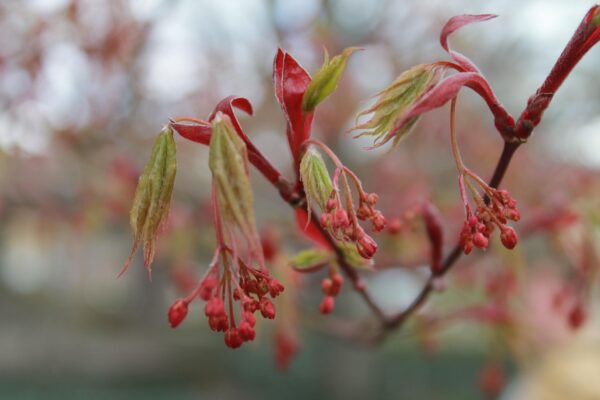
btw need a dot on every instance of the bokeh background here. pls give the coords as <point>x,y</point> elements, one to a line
<point>86,85</point>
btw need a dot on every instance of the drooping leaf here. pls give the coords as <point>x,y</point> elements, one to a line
<point>152,197</point>
<point>394,101</point>
<point>228,162</point>
<point>445,91</point>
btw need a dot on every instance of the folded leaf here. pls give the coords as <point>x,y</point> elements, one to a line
<point>152,197</point>
<point>291,82</point>
<point>454,24</point>
<point>325,81</point>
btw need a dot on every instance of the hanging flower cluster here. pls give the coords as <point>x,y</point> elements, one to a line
<point>480,224</point>
<point>340,215</point>
<point>421,89</point>
<point>237,278</point>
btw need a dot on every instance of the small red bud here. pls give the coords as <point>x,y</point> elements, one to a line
<point>275,287</point>
<point>326,285</point>
<point>366,247</point>
<point>233,338</point>
<point>509,239</point>
<point>327,305</point>
<point>372,199</point>
<point>480,240</point>
<point>267,309</point>
<point>330,205</point>
<point>246,331</point>
<point>177,312</point>
<point>249,317</point>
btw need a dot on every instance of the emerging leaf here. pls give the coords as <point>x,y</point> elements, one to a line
<point>352,257</point>
<point>311,260</point>
<point>315,178</point>
<point>325,81</point>
<point>393,102</point>
<point>228,162</point>
<point>153,197</point>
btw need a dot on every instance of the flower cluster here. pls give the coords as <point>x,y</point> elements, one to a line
<point>340,216</point>
<point>331,287</point>
<point>496,212</point>
<point>238,284</point>
<point>222,288</point>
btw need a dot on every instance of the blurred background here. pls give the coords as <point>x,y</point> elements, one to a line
<point>86,85</point>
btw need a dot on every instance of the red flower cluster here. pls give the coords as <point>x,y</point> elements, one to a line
<point>478,226</point>
<point>343,222</point>
<point>331,288</point>
<point>249,287</point>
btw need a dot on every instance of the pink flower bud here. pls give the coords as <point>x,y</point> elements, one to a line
<point>275,287</point>
<point>331,204</point>
<point>378,221</point>
<point>206,288</point>
<point>372,199</point>
<point>327,305</point>
<point>215,307</point>
<point>326,285</point>
<point>508,236</point>
<point>177,312</point>
<point>480,240</point>
<point>218,323</point>
<point>267,308</point>
<point>340,219</point>
<point>366,246</point>
<point>249,317</point>
<point>233,338</point>
<point>246,331</point>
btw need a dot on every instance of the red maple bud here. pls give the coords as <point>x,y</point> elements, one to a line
<point>246,331</point>
<point>337,280</point>
<point>326,285</point>
<point>327,305</point>
<point>508,236</point>
<point>218,323</point>
<point>206,287</point>
<point>215,307</point>
<point>177,312</point>
<point>233,338</point>
<point>275,287</point>
<point>366,246</point>
<point>480,240</point>
<point>576,316</point>
<point>378,221</point>
<point>267,308</point>
<point>249,317</point>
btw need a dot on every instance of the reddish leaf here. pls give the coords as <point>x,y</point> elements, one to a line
<point>226,107</point>
<point>454,24</point>
<point>201,133</point>
<point>291,81</point>
<point>312,231</point>
<point>198,133</point>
